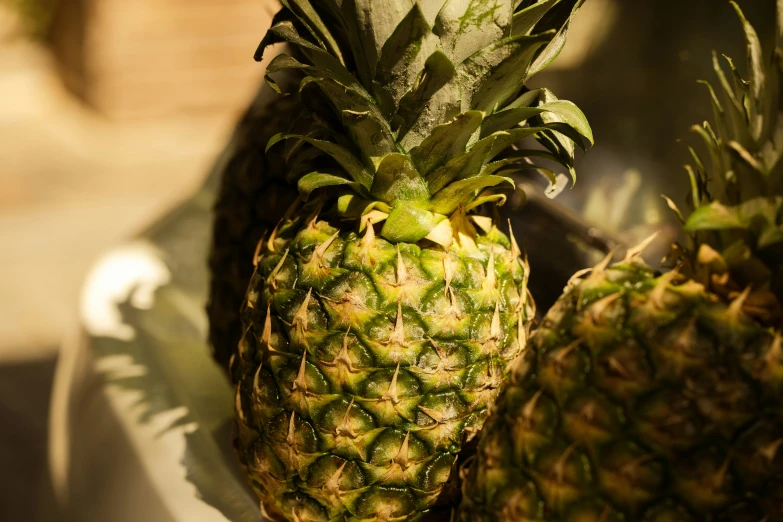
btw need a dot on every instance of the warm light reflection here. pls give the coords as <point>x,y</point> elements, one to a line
<point>130,274</point>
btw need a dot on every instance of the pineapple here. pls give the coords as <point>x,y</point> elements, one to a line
<point>657,397</point>
<point>386,306</point>
<point>255,191</point>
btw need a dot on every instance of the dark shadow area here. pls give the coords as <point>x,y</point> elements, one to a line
<point>639,89</point>
<point>25,489</point>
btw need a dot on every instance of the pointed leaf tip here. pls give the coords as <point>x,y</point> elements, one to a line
<point>755,53</point>
<point>408,223</point>
<point>570,114</point>
<point>453,195</point>
<point>315,180</point>
<point>713,216</point>
<point>673,206</point>
<point>397,179</point>
<point>347,160</point>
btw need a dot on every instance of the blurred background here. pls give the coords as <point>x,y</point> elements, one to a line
<point>112,111</point>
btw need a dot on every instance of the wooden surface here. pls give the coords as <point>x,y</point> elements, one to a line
<point>146,58</point>
<point>73,183</point>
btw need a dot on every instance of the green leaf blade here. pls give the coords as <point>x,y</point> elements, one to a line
<point>754,53</point>
<point>436,99</point>
<point>559,110</point>
<point>714,216</point>
<point>458,193</point>
<point>446,141</point>
<point>467,26</point>
<point>525,20</point>
<point>315,180</point>
<point>408,223</point>
<point>402,58</point>
<point>493,74</point>
<point>557,19</point>
<point>396,179</point>
<point>347,160</point>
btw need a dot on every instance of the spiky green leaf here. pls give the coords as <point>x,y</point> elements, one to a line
<point>698,191</point>
<point>363,122</point>
<point>324,66</point>
<point>354,206</point>
<point>396,179</point>
<point>526,19</point>
<point>471,163</point>
<point>455,194</point>
<point>376,21</point>
<point>565,112</point>
<point>558,19</point>
<point>525,99</point>
<point>747,158</point>
<point>713,147</point>
<point>347,160</point>
<point>446,141</point>
<point>572,116</point>
<point>520,160</point>
<point>402,58</point>
<point>493,74</point>
<point>436,99</point>
<point>673,206</point>
<point>754,54</point>
<point>316,180</point>
<point>309,17</point>
<point>561,137</point>
<point>508,118</point>
<point>369,133</point>
<point>736,126</point>
<point>467,26</point>
<point>717,108</point>
<point>408,223</point>
<point>345,26</point>
<point>464,165</point>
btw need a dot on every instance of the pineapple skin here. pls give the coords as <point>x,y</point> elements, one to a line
<point>365,364</point>
<point>256,190</point>
<point>371,367</point>
<point>252,196</point>
<point>640,398</point>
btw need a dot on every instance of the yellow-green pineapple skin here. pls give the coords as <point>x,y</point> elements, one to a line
<point>641,397</point>
<point>659,398</point>
<point>372,366</point>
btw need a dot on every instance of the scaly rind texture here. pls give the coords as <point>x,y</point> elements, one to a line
<point>365,366</point>
<point>253,194</point>
<point>639,399</point>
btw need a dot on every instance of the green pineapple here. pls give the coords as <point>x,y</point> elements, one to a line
<point>252,195</point>
<point>255,190</point>
<point>657,397</point>
<point>387,306</point>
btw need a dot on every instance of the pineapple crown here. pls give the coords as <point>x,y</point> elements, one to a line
<point>426,103</point>
<point>737,200</point>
